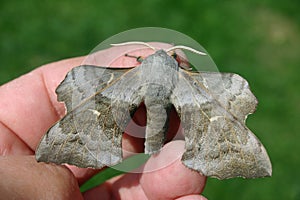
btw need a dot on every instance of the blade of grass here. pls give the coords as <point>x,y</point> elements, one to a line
<point>127,165</point>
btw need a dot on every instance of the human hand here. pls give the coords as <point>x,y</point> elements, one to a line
<point>28,107</point>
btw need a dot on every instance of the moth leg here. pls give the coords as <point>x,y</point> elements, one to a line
<point>138,58</point>
<point>182,62</point>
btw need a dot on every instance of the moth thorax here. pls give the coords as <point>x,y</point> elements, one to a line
<point>159,68</point>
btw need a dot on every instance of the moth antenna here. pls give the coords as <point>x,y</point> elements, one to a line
<point>134,42</point>
<point>186,48</point>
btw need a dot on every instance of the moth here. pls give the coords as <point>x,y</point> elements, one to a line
<point>212,108</point>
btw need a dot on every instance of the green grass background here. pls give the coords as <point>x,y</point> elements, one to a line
<point>258,39</point>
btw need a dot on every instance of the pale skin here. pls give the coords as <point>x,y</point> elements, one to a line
<point>28,107</point>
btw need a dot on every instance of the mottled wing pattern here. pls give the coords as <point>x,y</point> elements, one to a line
<point>98,111</point>
<point>84,81</point>
<point>212,108</point>
<point>230,90</point>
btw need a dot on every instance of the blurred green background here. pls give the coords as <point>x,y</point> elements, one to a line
<point>258,39</point>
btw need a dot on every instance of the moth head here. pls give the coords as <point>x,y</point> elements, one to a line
<point>182,62</point>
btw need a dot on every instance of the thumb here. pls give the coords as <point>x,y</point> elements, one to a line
<point>23,178</point>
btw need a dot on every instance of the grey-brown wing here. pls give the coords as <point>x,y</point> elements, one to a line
<point>230,90</point>
<point>91,132</point>
<point>84,81</point>
<point>217,141</point>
